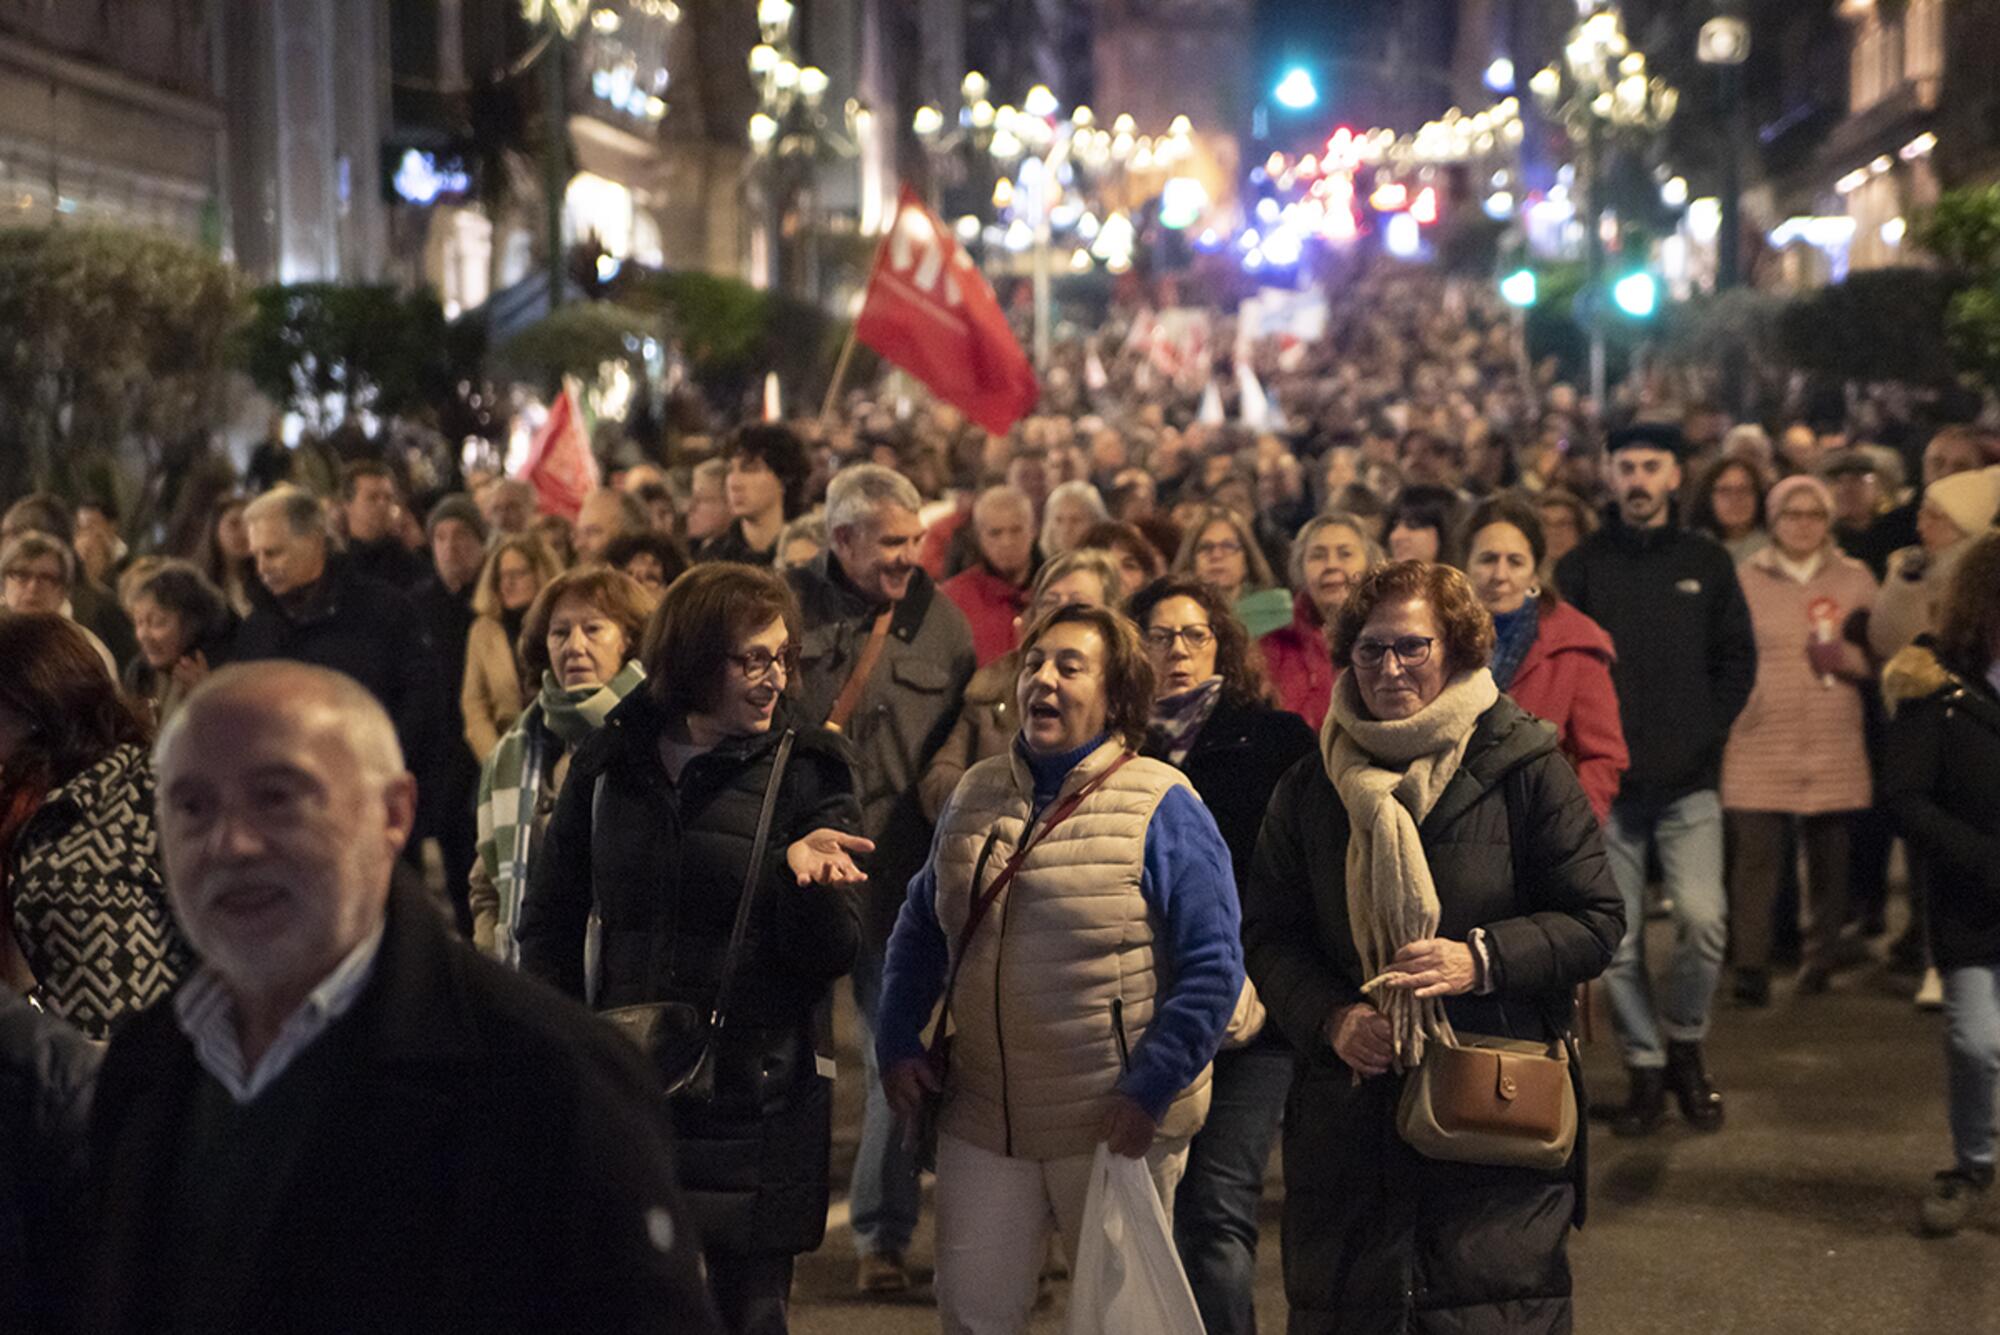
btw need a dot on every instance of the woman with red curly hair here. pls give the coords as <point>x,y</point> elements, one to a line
<point>1438,872</point>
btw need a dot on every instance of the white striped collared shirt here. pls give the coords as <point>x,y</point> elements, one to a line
<point>206,1013</point>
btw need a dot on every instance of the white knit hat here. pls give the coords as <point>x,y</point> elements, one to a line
<point>1970,500</point>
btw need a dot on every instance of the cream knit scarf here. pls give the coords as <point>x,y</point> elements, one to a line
<point>1389,775</point>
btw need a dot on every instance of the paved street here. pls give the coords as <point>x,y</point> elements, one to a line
<point>1796,1220</point>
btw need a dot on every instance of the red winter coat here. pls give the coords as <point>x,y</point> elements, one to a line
<point>1299,663</point>
<point>990,603</point>
<point>1566,679</point>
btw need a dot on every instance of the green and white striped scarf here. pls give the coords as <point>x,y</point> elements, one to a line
<point>510,785</point>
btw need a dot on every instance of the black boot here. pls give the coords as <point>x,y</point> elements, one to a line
<point>1646,1107</point>
<point>1687,1077</point>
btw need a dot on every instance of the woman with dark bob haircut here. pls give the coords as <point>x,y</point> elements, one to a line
<point>184,626</point>
<point>580,649</point>
<point>1088,1004</point>
<point>1213,718</point>
<point>1437,873</point>
<point>85,906</point>
<point>653,832</point>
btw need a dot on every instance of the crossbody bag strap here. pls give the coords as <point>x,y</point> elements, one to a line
<point>752,878</point>
<point>984,902</point>
<point>864,667</point>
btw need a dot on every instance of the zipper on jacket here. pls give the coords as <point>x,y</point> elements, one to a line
<point>1000,1027</point>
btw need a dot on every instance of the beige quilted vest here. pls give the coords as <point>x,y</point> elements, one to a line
<point>1035,1056</point>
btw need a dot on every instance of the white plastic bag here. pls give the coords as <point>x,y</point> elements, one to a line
<point>1127,1276</point>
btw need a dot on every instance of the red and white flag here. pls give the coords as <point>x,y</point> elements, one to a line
<point>560,466</point>
<point>928,310</point>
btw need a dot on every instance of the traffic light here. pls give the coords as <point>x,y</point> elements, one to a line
<point>1519,288</point>
<point>1297,91</point>
<point>1637,294</point>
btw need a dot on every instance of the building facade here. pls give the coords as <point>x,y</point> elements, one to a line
<point>110,113</point>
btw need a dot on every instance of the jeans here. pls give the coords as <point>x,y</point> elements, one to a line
<point>993,1218</point>
<point>884,1192</point>
<point>752,1293</point>
<point>1972,1059</point>
<point>1688,835</point>
<point>1215,1211</point>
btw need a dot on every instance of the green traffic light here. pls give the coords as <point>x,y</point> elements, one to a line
<point>1637,294</point>
<point>1519,288</point>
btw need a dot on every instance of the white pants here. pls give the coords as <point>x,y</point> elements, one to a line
<point>993,1220</point>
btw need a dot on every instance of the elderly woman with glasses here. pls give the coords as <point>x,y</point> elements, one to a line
<point>654,833</point>
<point>1089,997</point>
<point>1435,872</point>
<point>1212,719</point>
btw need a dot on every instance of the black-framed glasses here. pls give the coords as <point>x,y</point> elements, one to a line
<point>1410,651</point>
<point>1226,547</point>
<point>758,664</point>
<point>1160,639</point>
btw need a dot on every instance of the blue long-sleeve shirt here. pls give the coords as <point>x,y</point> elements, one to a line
<point>1189,889</point>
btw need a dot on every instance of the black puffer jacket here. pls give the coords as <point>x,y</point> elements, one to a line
<point>1941,784</point>
<point>663,864</point>
<point>1687,654</point>
<point>1236,761</point>
<point>46,1069</point>
<point>1378,1238</point>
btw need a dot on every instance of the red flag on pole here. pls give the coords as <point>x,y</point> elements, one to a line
<point>929,310</point>
<point>560,465</point>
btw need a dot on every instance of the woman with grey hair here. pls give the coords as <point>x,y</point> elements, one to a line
<point>1069,513</point>
<point>1330,555</point>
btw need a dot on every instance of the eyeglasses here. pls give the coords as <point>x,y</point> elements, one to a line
<point>47,579</point>
<point>1812,516</point>
<point>757,664</point>
<point>1225,548</point>
<point>1410,651</point>
<point>1161,639</point>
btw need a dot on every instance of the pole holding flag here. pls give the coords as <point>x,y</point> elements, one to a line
<point>929,310</point>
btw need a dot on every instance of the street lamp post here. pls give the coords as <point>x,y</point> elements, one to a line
<point>1723,46</point>
<point>789,133</point>
<point>1600,92</point>
<point>561,18</point>
<point>1052,155</point>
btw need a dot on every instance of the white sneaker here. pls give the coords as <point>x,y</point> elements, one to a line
<point>1930,993</point>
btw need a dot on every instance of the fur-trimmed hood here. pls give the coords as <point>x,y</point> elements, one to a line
<point>1915,673</point>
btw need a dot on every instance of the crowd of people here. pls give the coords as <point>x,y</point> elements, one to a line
<point>1198,778</point>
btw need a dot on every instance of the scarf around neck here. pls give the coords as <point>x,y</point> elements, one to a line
<point>1178,719</point>
<point>510,784</point>
<point>1513,635</point>
<point>1389,774</point>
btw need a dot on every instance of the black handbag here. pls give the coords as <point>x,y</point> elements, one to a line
<point>676,1038</point>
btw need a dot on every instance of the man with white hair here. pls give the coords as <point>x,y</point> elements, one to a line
<point>994,591</point>
<point>311,604</point>
<point>346,1119</point>
<point>885,661</point>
